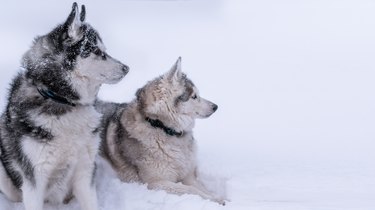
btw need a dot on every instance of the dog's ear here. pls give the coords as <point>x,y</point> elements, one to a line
<point>73,24</point>
<point>83,13</point>
<point>140,94</point>
<point>175,74</point>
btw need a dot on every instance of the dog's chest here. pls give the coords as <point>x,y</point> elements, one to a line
<point>72,130</point>
<point>74,141</point>
<point>176,158</point>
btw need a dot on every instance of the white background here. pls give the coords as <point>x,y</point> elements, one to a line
<point>294,81</point>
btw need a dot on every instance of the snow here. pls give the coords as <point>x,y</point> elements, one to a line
<point>294,81</point>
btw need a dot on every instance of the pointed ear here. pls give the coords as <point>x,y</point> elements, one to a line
<point>83,13</point>
<point>140,93</point>
<point>74,22</point>
<point>141,98</point>
<point>175,73</point>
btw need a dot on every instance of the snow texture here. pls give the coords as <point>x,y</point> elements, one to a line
<point>294,81</point>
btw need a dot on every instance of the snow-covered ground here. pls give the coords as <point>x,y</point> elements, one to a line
<point>294,81</point>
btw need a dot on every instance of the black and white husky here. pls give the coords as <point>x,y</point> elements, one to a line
<point>150,140</point>
<point>48,131</point>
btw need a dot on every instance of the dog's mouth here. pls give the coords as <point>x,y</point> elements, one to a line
<point>113,78</point>
<point>202,116</point>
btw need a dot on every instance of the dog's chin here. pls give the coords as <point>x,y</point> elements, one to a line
<point>114,80</point>
<point>203,116</point>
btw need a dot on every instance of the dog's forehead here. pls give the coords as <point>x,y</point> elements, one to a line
<point>93,37</point>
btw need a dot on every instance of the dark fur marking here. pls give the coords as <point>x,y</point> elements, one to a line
<point>5,159</point>
<point>93,174</point>
<point>12,151</point>
<point>140,94</point>
<point>188,85</point>
<point>83,13</point>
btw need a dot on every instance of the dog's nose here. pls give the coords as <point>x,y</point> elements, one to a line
<point>125,69</point>
<point>214,107</point>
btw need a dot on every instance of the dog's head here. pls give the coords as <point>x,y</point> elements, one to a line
<point>72,55</point>
<point>174,99</point>
<point>85,51</point>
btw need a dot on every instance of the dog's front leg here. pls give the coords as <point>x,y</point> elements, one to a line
<point>179,189</point>
<point>33,193</point>
<point>192,180</point>
<point>86,195</point>
<point>84,188</point>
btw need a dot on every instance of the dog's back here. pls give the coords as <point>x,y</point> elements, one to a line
<point>116,146</point>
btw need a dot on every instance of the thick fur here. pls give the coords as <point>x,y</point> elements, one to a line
<point>140,152</point>
<point>47,147</point>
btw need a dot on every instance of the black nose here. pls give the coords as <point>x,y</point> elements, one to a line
<point>125,69</point>
<point>214,107</point>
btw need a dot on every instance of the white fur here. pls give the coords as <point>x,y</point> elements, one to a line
<point>66,163</point>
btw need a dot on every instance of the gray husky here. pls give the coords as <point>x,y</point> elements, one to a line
<point>49,130</point>
<point>150,140</point>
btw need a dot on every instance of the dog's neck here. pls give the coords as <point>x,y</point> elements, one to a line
<point>49,94</point>
<point>159,124</point>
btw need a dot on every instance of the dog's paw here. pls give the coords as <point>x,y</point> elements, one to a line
<point>220,201</point>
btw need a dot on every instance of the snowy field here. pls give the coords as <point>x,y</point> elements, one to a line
<point>294,81</point>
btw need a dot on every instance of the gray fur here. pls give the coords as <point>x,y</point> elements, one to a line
<point>47,147</point>
<point>141,152</point>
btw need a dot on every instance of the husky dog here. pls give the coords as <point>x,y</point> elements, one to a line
<point>49,130</point>
<point>150,140</point>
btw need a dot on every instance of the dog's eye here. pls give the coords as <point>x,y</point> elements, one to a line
<point>184,97</point>
<point>100,53</point>
<point>194,96</point>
